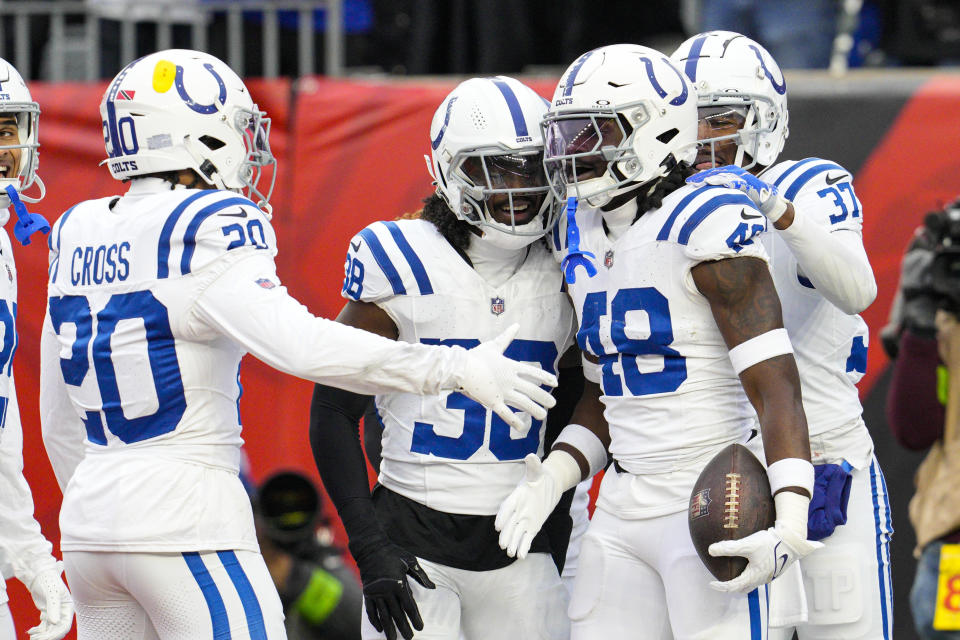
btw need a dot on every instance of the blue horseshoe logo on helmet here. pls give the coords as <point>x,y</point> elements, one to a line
<point>190,102</point>
<point>446,121</point>
<point>779,88</point>
<point>680,99</point>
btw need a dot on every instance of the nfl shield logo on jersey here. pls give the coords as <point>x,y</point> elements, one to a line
<point>700,504</point>
<point>265,283</point>
<point>608,258</point>
<point>496,306</point>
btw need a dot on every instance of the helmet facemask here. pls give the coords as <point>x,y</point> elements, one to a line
<point>254,126</point>
<point>591,154</point>
<point>755,117</point>
<point>494,182</point>
<point>27,119</point>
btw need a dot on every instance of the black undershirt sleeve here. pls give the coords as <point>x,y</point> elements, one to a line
<point>335,440</point>
<point>559,524</point>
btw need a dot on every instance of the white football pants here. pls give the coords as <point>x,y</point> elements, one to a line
<point>642,579</point>
<point>173,596</point>
<point>522,600</point>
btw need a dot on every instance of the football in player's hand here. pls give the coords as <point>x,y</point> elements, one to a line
<point>730,500</point>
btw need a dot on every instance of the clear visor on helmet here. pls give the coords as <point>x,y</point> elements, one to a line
<point>509,189</point>
<point>580,146</point>
<point>730,126</point>
<point>255,128</point>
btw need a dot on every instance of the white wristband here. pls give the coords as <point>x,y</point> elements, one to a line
<point>791,472</point>
<point>774,207</point>
<point>775,342</point>
<point>587,443</point>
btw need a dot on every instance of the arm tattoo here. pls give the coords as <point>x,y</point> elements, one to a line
<point>741,295</point>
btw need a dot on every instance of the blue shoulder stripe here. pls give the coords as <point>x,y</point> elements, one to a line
<point>677,210</point>
<point>423,281</point>
<point>808,175</point>
<point>163,249</point>
<point>383,260</point>
<point>795,167</point>
<point>55,267</point>
<point>190,237</point>
<point>706,209</point>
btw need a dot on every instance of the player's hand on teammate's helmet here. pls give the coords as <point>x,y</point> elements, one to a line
<point>51,597</point>
<point>527,507</point>
<point>496,381</point>
<point>771,551</point>
<point>389,602</point>
<point>765,196</point>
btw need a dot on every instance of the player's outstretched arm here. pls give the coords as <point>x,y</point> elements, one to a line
<point>835,261</point>
<point>746,308</point>
<point>248,304</point>
<point>578,453</point>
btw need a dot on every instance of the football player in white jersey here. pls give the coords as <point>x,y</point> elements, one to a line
<point>24,552</point>
<point>473,262</point>
<point>154,298</point>
<point>674,299</point>
<point>823,279</point>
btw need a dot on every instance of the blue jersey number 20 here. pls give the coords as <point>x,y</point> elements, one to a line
<point>136,305</point>
<point>502,445</point>
<point>657,309</point>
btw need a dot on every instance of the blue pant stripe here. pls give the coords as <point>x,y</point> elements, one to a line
<point>886,546</point>
<point>756,627</point>
<point>881,572</point>
<point>248,597</point>
<point>218,612</point>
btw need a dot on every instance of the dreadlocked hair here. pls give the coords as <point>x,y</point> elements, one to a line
<point>676,177</point>
<point>453,229</point>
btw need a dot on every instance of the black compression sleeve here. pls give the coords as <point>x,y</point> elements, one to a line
<point>335,441</point>
<point>559,524</point>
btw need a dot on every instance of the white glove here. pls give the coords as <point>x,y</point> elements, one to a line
<point>51,597</point>
<point>525,510</point>
<point>769,552</point>
<point>765,196</point>
<point>495,381</point>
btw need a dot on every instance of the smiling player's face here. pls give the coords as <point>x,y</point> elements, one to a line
<point>9,158</point>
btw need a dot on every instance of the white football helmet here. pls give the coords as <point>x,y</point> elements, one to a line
<point>731,70</point>
<point>621,116</point>
<point>180,109</point>
<point>16,102</point>
<point>487,159</point>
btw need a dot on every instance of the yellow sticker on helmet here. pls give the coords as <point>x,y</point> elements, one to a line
<point>163,76</point>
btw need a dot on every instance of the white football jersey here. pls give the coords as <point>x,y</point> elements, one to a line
<point>830,346</point>
<point>156,389</point>
<point>671,396</point>
<point>446,451</point>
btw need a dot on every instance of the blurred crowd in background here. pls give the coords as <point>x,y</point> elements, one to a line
<point>428,37</point>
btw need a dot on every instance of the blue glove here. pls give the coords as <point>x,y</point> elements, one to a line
<point>828,506</point>
<point>764,195</point>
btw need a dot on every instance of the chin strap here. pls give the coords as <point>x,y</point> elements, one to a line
<point>27,223</point>
<point>575,257</point>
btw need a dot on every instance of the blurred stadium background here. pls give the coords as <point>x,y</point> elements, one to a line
<point>351,86</point>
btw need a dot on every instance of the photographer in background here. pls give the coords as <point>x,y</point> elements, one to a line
<point>321,595</point>
<point>924,336</point>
